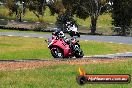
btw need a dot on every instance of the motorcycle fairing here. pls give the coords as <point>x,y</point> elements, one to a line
<point>61,44</point>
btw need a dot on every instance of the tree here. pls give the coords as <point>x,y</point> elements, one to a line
<point>37,7</point>
<point>62,20</point>
<point>56,6</point>
<point>85,8</point>
<point>16,7</point>
<point>122,15</point>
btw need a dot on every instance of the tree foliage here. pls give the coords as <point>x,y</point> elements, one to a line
<point>37,7</point>
<point>85,8</point>
<point>56,6</point>
<point>81,8</point>
<point>11,5</point>
<point>18,7</point>
<point>64,15</point>
<point>62,20</point>
<point>122,15</point>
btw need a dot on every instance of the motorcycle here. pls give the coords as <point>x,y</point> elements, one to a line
<point>60,49</point>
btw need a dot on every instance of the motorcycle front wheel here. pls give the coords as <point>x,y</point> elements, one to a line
<point>56,52</point>
<point>78,52</point>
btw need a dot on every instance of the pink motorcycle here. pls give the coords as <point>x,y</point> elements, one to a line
<point>60,49</point>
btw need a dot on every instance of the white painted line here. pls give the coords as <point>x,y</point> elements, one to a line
<point>37,22</point>
<point>40,37</point>
<point>128,52</point>
<point>98,55</point>
<point>95,55</point>
<point>110,42</point>
<point>120,43</point>
<point>25,21</point>
<point>26,36</point>
<point>110,54</point>
<point>86,56</point>
<point>9,35</point>
<point>2,19</point>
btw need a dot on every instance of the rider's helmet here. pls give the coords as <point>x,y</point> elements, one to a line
<point>58,33</point>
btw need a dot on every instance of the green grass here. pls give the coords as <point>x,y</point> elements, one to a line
<point>103,21</point>
<point>34,48</point>
<point>2,30</point>
<point>63,76</point>
<point>22,48</point>
<point>96,48</point>
<point>29,16</point>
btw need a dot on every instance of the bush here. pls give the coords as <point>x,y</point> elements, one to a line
<point>40,27</point>
<point>3,22</point>
<point>118,31</point>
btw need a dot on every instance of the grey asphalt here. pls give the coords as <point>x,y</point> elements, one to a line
<point>23,34</point>
<point>117,55</point>
<point>114,39</point>
<point>111,39</point>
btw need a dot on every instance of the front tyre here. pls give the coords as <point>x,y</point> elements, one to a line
<point>79,53</point>
<point>56,52</point>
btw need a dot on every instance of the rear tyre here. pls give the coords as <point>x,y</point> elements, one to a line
<point>56,52</point>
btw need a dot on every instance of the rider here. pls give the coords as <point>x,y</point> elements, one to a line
<point>72,29</point>
<point>59,34</point>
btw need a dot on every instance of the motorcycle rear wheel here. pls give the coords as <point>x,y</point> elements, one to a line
<point>57,52</point>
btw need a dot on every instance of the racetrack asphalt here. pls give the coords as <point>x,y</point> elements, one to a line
<point>111,39</point>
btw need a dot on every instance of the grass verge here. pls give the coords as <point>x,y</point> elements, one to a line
<point>35,48</point>
<point>64,76</point>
